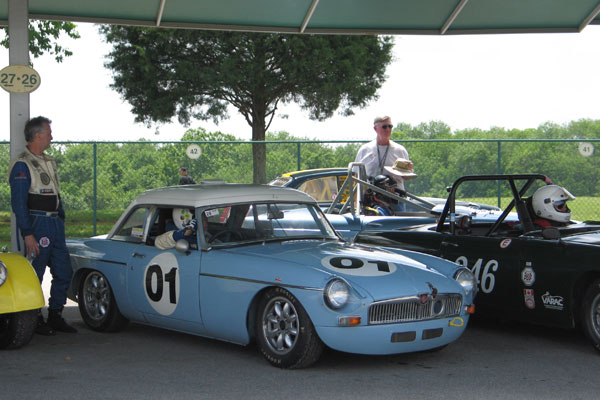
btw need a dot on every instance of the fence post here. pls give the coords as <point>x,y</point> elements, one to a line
<point>95,186</point>
<point>499,170</point>
<point>298,156</point>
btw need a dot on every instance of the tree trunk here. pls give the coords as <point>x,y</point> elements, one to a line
<point>259,151</point>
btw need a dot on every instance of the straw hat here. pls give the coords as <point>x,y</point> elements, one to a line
<point>402,169</point>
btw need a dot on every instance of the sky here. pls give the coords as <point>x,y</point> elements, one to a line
<point>476,81</point>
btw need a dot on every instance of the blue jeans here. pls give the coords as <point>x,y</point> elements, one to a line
<point>49,231</point>
<point>398,207</point>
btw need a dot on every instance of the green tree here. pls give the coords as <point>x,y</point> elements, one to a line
<point>43,36</point>
<point>195,74</point>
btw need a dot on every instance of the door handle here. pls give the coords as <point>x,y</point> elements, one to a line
<point>450,244</point>
<point>139,255</point>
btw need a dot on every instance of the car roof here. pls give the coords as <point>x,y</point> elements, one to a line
<point>206,194</point>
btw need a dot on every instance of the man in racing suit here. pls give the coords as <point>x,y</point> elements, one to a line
<point>36,202</point>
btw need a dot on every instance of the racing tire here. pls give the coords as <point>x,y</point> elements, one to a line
<point>590,317</point>
<point>17,329</point>
<point>97,304</point>
<point>285,334</point>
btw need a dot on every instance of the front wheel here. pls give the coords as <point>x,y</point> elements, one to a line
<point>16,329</point>
<point>97,304</point>
<point>591,314</point>
<point>286,336</point>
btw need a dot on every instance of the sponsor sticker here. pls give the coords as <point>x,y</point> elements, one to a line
<point>44,241</point>
<point>529,298</point>
<point>552,302</point>
<point>528,275</point>
<point>212,212</point>
<point>505,243</point>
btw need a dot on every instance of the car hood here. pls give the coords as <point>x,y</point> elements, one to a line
<point>382,274</point>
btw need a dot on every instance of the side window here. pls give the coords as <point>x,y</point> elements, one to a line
<point>160,223</point>
<point>132,229</point>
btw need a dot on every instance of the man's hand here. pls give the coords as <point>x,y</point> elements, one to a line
<point>191,228</point>
<point>188,230</point>
<point>32,246</point>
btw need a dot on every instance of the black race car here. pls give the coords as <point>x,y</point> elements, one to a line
<point>547,275</point>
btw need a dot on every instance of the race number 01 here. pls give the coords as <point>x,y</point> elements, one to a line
<point>156,295</point>
<point>487,281</point>
<point>351,263</point>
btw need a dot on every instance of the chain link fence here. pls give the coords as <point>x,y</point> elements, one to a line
<point>99,179</point>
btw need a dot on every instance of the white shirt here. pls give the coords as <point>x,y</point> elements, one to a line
<point>367,154</point>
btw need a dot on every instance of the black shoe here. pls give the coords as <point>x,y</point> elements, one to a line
<point>56,321</point>
<point>43,328</point>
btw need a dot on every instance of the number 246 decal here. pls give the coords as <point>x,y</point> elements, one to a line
<point>485,277</point>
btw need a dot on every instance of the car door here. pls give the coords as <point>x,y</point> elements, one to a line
<point>495,263</point>
<point>163,284</point>
<point>547,279</point>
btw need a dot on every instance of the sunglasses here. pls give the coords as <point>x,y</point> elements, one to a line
<point>390,126</point>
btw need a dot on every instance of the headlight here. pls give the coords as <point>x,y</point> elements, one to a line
<point>3,273</point>
<point>466,279</point>
<point>337,293</point>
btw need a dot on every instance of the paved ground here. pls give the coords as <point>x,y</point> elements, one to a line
<point>491,361</point>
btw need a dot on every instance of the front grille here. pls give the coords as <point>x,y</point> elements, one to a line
<point>409,309</point>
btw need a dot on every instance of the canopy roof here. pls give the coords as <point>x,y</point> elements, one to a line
<point>422,17</point>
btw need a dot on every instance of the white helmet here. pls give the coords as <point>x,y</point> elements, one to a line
<point>550,202</point>
<point>182,217</point>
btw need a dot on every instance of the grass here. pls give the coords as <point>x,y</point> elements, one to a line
<point>81,223</point>
<point>78,224</point>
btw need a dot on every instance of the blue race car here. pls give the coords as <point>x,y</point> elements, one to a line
<point>354,203</point>
<point>263,264</point>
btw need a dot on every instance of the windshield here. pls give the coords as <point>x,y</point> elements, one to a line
<point>280,181</point>
<point>259,222</point>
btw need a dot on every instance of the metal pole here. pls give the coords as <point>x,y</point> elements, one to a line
<point>298,157</point>
<point>18,54</point>
<point>95,186</point>
<point>499,169</point>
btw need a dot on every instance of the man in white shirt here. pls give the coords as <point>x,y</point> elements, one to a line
<point>383,152</point>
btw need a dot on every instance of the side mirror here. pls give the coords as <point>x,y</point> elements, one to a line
<point>551,233</point>
<point>182,246</point>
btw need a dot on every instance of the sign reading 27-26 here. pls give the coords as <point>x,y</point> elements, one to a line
<point>19,79</point>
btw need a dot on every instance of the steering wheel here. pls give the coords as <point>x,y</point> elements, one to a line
<point>236,235</point>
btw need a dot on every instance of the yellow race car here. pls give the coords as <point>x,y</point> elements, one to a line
<point>20,298</point>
